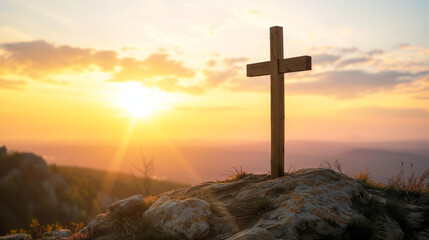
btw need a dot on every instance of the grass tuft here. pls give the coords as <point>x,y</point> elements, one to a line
<point>414,185</point>
<point>358,229</point>
<point>262,204</point>
<point>235,175</point>
<point>368,182</point>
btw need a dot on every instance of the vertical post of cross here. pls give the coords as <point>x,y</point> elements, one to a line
<point>277,103</point>
<point>276,68</point>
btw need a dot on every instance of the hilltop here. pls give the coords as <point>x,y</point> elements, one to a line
<point>32,189</point>
<point>316,203</point>
<point>306,204</point>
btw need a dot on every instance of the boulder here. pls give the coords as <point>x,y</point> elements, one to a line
<point>130,207</point>
<point>308,204</point>
<point>96,226</point>
<point>19,236</point>
<point>178,218</point>
<point>58,233</point>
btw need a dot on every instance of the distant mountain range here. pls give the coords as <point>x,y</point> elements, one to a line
<point>384,164</point>
<point>197,161</point>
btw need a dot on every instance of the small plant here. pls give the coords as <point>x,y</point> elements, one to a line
<point>36,229</point>
<point>236,175</point>
<point>414,184</point>
<point>15,231</point>
<point>361,229</point>
<point>76,227</point>
<point>291,170</point>
<point>149,201</point>
<point>334,166</point>
<point>368,181</point>
<point>262,205</point>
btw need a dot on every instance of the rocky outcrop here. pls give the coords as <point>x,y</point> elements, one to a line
<point>129,207</point>
<point>58,233</point>
<point>19,236</point>
<point>120,212</point>
<point>308,204</point>
<point>178,218</point>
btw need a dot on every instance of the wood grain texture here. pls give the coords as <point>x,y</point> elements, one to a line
<point>276,68</point>
<point>258,69</point>
<point>277,103</point>
<point>295,64</point>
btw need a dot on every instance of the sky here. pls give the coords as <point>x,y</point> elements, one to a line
<point>161,71</point>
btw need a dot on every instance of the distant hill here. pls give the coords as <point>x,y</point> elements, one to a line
<point>197,161</point>
<point>383,164</point>
<point>30,188</point>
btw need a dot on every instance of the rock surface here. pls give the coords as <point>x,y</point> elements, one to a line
<point>308,204</point>
<point>58,233</point>
<point>177,218</point>
<point>19,236</point>
<point>131,206</point>
<point>123,209</point>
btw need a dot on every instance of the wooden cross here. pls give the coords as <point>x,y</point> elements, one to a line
<point>276,68</point>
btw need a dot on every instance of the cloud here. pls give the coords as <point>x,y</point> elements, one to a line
<point>41,61</point>
<point>350,83</point>
<point>157,70</point>
<point>156,65</point>
<point>403,46</point>
<point>233,61</point>
<point>324,59</point>
<point>341,50</point>
<point>215,78</point>
<point>37,59</point>
<point>10,84</point>
<point>392,113</point>
<point>375,52</point>
<point>211,63</point>
<point>347,50</point>
<point>353,61</point>
<point>129,48</point>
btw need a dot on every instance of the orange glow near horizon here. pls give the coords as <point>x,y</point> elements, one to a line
<point>82,80</point>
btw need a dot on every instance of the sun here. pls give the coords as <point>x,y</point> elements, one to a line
<point>138,100</point>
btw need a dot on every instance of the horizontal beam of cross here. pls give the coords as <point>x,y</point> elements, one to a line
<point>287,65</point>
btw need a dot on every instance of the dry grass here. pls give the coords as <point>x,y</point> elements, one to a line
<point>149,201</point>
<point>367,180</point>
<point>414,184</point>
<point>336,166</point>
<point>235,175</point>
